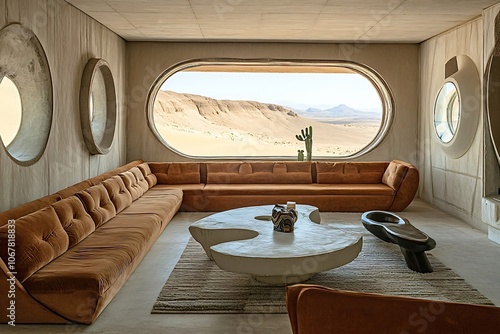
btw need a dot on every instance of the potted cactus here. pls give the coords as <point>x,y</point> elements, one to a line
<point>306,136</point>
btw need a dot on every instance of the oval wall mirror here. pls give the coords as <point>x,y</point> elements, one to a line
<point>98,106</point>
<point>457,107</point>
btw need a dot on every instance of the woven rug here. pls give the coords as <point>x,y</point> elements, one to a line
<point>197,285</point>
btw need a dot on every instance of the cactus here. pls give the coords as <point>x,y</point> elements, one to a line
<point>307,137</point>
<point>300,155</point>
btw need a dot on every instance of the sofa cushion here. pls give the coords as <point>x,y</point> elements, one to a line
<point>40,238</point>
<point>75,220</point>
<point>164,206</point>
<point>394,174</point>
<point>98,204</point>
<point>148,175</point>
<point>132,184</point>
<point>141,180</point>
<point>350,172</point>
<point>259,172</point>
<point>176,172</point>
<point>74,284</point>
<point>297,189</point>
<point>118,193</point>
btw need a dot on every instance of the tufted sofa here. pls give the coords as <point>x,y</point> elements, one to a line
<point>76,248</point>
<point>330,186</point>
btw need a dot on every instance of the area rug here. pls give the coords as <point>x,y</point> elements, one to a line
<point>197,285</point>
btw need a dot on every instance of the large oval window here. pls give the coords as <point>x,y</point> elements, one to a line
<point>234,109</point>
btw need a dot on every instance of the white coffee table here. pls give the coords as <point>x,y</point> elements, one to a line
<point>243,241</point>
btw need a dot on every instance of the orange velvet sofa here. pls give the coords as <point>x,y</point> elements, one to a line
<point>315,309</point>
<point>75,249</point>
<point>330,186</point>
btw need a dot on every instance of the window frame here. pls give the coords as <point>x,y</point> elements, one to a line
<point>378,82</point>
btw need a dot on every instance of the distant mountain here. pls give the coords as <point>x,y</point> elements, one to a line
<point>340,111</point>
<point>173,102</point>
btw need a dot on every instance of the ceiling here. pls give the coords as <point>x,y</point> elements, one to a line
<point>408,21</point>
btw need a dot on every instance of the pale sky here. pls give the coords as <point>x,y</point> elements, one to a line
<point>295,90</point>
<point>10,110</point>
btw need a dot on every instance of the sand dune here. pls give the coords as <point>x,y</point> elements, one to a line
<point>198,125</point>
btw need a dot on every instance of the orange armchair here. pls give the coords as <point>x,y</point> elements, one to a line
<point>319,310</point>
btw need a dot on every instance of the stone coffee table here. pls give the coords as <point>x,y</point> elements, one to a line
<point>243,241</point>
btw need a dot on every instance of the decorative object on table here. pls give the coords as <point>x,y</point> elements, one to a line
<point>300,155</point>
<point>306,136</point>
<point>398,230</point>
<point>284,218</point>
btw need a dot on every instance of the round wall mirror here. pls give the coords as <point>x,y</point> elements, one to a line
<point>458,106</point>
<point>447,112</point>
<point>98,106</point>
<point>25,95</point>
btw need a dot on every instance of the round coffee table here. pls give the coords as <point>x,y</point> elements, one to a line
<point>243,241</point>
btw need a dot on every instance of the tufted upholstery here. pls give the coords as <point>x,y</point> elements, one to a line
<point>98,204</point>
<point>118,193</point>
<point>394,174</point>
<point>141,180</point>
<point>40,238</point>
<point>74,219</point>
<point>148,175</point>
<point>131,184</point>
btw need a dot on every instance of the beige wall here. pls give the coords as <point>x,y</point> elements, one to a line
<point>454,185</point>
<point>69,39</point>
<point>490,204</point>
<point>397,63</point>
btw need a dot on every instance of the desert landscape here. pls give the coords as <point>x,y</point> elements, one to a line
<point>199,125</point>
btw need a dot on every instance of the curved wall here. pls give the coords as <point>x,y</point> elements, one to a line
<point>397,63</point>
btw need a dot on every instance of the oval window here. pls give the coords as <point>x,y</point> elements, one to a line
<point>234,109</point>
<point>447,112</point>
<point>26,94</point>
<point>11,110</point>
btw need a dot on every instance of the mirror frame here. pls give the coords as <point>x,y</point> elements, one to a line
<point>98,134</point>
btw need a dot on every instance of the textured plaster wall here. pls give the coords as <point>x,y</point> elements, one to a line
<point>69,39</point>
<point>397,63</point>
<point>490,204</point>
<point>454,185</point>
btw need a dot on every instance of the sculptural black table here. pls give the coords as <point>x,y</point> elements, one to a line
<point>398,230</point>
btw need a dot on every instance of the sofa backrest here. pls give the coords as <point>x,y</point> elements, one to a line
<point>27,208</point>
<point>40,238</point>
<point>72,190</point>
<point>350,172</point>
<point>98,204</point>
<point>176,172</point>
<point>259,172</point>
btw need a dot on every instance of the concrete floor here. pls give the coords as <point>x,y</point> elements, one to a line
<point>464,249</point>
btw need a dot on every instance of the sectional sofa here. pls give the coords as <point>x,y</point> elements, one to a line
<point>76,248</point>
<point>330,186</point>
